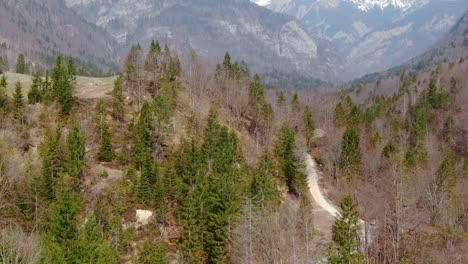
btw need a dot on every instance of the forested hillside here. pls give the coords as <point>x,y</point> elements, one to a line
<point>189,164</point>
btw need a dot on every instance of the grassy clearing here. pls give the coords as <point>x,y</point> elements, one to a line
<point>86,87</point>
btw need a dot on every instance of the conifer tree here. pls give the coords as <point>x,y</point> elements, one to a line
<point>62,87</point>
<point>71,69</point>
<point>351,158</point>
<point>35,93</point>
<point>76,152</point>
<point>47,93</point>
<point>153,254</point>
<point>281,99</point>
<point>147,181</point>
<point>93,248</point>
<point>211,133</point>
<point>62,220</point>
<point>118,101</point>
<point>285,152</point>
<point>19,110</point>
<point>21,66</point>
<point>132,64</point>
<point>3,81</point>
<point>151,61</point>
<point>264,186</point>
<point>309,124</point>
<point>52,165</point>
<point>143,140</point>
<point>346,236</point>
<point>106,153</point>
<point>295,104</point>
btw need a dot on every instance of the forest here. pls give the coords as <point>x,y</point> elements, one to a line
<point>217,159</point>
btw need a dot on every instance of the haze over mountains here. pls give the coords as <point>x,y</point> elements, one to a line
<point>43,28</point>
<point>374,35</point>
<point>332,40</point>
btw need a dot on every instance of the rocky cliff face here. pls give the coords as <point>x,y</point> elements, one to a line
<point>374,35</point>
<point>265,40</point>
<point>41,28</point>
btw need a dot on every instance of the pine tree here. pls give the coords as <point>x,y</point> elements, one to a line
<point>93,248</point>
<point>153,254</point>
<point>118,101</point>
<point>346,236</point>
<point>76,152</point>
<point>62,220</point>
<point>143,140</point>
<point>21,66</point>
<point>3,81</point>
<point>281,99</point>
<point>35,93</point>
<point>106,153</point>
<point>211,133</point>
<point>295,104</point>
<point>19,109</point>
<point>62,87</point>
<point>264,186</point>
<point>285,152</point>
<point>147,181</point>
<point>351,158</point>
<point>71,69</point>
<point>47,93</point>
<point>151,62</point>
<point>52,165</point>
<point>132,64</point>
<point>309,124</point>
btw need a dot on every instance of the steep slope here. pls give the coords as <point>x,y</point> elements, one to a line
<point>453,46</point>
<point>374,35</point>
<point>265,40</point>
<point>40,29</point>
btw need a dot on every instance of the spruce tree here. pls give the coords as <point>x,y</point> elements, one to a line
<point>21,66</point>
<point>346,236</point>
<point>153,254</point>
<point>264,186</point>
<point>3,81</point>
<point>147,181</point>
<point>151,61</point>
<point>295,104</point>
<point>350,162</point>
<point>62,223</point>
<point>62,87</point>
<point>143,140</point>
<point>93,248</point>
<point>71,69</point>
<point>106,153</point>
<point>52,165</point>
<point>285,149</point>
<point>19,110</point>
<point>35,93</point>
<point>309,124</point>
<point>118,101</point>
<point>76,152</point>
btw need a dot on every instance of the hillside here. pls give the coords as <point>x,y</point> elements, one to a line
<point>265,40</point>
<point>373,36</point>
<point>42,29</point>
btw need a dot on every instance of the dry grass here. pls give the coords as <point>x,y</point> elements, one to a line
<point>85,88</point>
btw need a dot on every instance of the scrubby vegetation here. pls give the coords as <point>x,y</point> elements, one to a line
<point>217,159</point>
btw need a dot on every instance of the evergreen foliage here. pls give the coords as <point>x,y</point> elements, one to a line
<point>35,93</point>
<point>309,124</point>
<point>351,159</point>
<point>62,86</point>
<point>346,236</point>
<point>52,165</point>
<point>21,66</point>
<point>106,152</point>
<point>19,109</point>
<point>285,152</point>
<point>143,140</point>
<point>264,185</point>
<point>118,101</point>
<point>76,152</point>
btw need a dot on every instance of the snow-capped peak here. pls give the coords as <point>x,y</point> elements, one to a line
<point>366,5</point>
<point>261,2</point>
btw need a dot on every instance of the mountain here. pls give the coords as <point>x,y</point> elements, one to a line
<point>374,35</point>
<point>453,46</point>
<point>42,28</point>
<point>266,40</point>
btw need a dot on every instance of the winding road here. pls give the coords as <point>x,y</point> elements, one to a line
<point>314,188</point>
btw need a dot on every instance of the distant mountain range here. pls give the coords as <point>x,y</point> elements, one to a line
<point>43,28</point>
<point>332,40</point>
<point>374,35</point>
